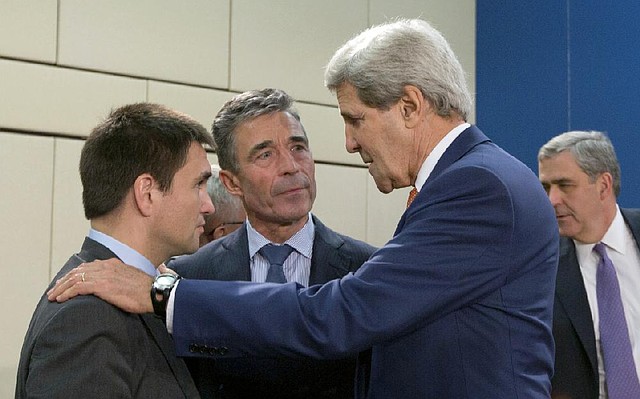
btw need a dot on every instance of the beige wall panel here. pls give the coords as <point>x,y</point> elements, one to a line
<point>202,104</point>
<point>287,43</point>
<point>69,224</point>
<point>341,199</point>
<point>48,99</point>
<point>325,130</point>
<point>383,212</point>
<point>455,19</point>
<point>28,29</point>
<point>25,214</point>
<point>163,39</point>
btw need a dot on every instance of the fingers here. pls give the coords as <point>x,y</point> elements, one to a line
<point>80,281</point>
<point>68,286</point>
<point>164,269</point>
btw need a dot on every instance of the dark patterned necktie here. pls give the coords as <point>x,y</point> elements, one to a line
<point>276,255</point>
<point>619,367</point>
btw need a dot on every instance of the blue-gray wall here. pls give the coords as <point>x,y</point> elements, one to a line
<point>551,66</point>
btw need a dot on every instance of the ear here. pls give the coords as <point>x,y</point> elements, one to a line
<point>605,185</point>
<point>231,182</point>
<point>412,106</point>
<point>144,192</point>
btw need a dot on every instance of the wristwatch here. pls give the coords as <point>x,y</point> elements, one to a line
<point>160,290</point>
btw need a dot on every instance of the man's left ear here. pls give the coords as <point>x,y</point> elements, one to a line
<point>144,190</point>
<point>412,105</point>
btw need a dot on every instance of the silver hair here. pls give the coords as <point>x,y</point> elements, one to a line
<point>592,150</point>
<point>222,200</point>
<point>380,61</point>
<point>242,108</point>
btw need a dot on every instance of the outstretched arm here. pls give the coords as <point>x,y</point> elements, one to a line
<point>111,280</point>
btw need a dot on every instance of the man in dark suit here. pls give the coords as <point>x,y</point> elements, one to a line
<point>458,304</point>
<point>266,162</point>
<point>580,172</point>
<point>144,173</point>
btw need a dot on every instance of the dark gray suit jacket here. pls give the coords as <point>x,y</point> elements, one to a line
<point>86,348</point>
<point>334,255</point>
<point>576,364</point>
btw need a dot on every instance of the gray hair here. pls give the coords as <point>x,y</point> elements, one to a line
<point>222,200</point>
<point>592,151</point>
<point>382,60</point>
<point>242,108</point>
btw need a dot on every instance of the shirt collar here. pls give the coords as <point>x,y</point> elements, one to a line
<point>613,238</point>
<point>126,254</point>
<point>435,155</point>
<point>301,241</point>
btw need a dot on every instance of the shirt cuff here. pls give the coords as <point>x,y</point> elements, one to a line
<point>169,315</point>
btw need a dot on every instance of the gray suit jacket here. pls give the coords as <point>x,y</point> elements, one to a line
<point>576,363</point>
<point>334,255</point>
<point>86,348</point>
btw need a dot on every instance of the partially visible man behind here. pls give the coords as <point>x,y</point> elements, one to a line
<point>580,172</point>
<point>229,214</point>
<point>144,172</point>
<point>267,164</point>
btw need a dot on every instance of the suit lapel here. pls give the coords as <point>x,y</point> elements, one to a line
<point>468,139</point>
<point>572,295</point>
<point>327,261</point>
<point>234,260</point>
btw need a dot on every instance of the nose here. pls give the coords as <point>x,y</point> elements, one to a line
<point>206,206</point>
<point>288,162</point>
<point>350,143</point>
<point>555,195</point>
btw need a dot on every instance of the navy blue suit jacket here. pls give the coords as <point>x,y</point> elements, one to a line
<point>334,255</point>
<point>576,367</point>
<point>458,304</point>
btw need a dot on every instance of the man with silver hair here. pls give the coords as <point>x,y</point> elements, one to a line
<point>229,214</point>
<point>580,172</point>
<point>458,304</point>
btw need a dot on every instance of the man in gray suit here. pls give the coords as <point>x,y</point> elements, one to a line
<point>266,161</point>
<point>144,172</point>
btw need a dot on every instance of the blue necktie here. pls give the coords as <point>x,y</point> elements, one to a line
<point>276,255</point>
<point>619,367</point>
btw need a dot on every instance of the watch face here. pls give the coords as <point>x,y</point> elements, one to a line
<point>164,281</point>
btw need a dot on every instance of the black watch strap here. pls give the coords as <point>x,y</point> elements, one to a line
<point>160,292</point>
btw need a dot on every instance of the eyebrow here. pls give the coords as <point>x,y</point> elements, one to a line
<point>259,147</point>
<point>349,115</point>
<point>560,180</point>
<point>270,143</point>
<point>205,175</point>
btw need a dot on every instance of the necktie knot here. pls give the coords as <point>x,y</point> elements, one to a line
<point>601,250</point>
<point>276,255</point>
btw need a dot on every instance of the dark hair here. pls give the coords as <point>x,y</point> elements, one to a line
<point>241,108</point>
<point>134,139</point>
